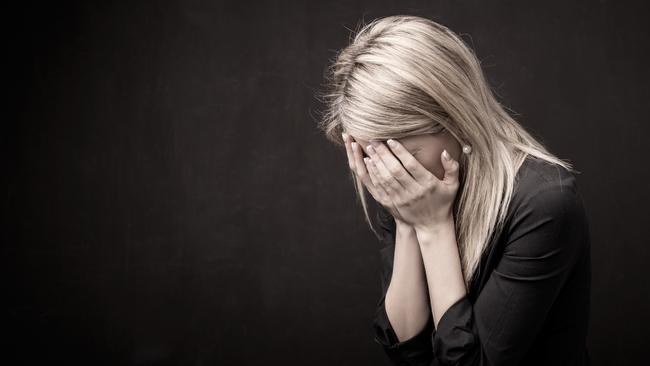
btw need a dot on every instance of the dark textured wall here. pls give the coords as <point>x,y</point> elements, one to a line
<point>168,199</point>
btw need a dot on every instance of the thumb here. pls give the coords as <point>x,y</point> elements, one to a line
<point>451,168</point>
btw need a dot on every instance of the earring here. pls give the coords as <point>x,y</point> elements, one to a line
<point>467,149</point>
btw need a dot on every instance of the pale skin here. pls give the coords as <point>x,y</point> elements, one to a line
<point>419,193</point>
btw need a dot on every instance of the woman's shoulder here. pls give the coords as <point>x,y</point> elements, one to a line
<point>536,174</point>
<point>543,191</point>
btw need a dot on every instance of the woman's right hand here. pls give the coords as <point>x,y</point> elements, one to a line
<point>358,167</point>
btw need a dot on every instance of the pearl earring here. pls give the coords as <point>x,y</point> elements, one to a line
<point>467,149</point>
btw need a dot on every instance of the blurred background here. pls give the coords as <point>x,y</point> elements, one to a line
<point>169,200</point>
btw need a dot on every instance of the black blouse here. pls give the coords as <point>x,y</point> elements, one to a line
<point>529,303</point>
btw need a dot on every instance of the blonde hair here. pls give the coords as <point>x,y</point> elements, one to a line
<point>406,75</point>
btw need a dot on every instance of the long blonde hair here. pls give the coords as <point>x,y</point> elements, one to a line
<point>406,75</point>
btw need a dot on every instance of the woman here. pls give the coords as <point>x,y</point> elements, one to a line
<point>486,248</point>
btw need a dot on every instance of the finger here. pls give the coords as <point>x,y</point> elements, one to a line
<point>372,185</point>
<point>362,171</point>
<point>394,166</point>
<point>372,172</point>
<point>452,168</point>
<point>410,163</point>
<point>360,166</point>
<point>390,183</point>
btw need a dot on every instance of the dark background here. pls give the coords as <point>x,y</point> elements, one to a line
<point>169,200</point>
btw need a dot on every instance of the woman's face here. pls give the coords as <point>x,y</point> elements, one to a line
<point>426,149</point>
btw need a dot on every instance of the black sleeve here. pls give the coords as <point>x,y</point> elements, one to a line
<point>543,243</point>
<point>418,349</point>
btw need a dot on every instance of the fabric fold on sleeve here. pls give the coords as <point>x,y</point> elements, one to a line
<point>454,341</point>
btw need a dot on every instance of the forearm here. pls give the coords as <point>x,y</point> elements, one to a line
<point>442,266</point>
<point>407,305</point>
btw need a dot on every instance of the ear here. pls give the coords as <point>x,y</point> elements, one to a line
<point>451,168</point>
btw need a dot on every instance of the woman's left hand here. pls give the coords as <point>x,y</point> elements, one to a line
<point>423,200</point>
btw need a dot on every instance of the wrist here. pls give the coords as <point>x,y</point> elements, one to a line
<point>400,223</point>
<point>402,227</point>
<point>436,229</point>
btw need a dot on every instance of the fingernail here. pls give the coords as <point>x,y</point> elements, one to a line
<point>375,143</point>
<point>445,155</point>
<point>345,137</point>
<point>391,143</point>
<point>370,149</point>
<point>354,145</point>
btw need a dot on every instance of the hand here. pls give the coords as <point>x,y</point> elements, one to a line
<point>420,198</point>
<point>358,167</point>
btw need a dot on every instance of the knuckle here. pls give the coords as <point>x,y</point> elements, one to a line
<point>410,164</point>
<point>394,170</point>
